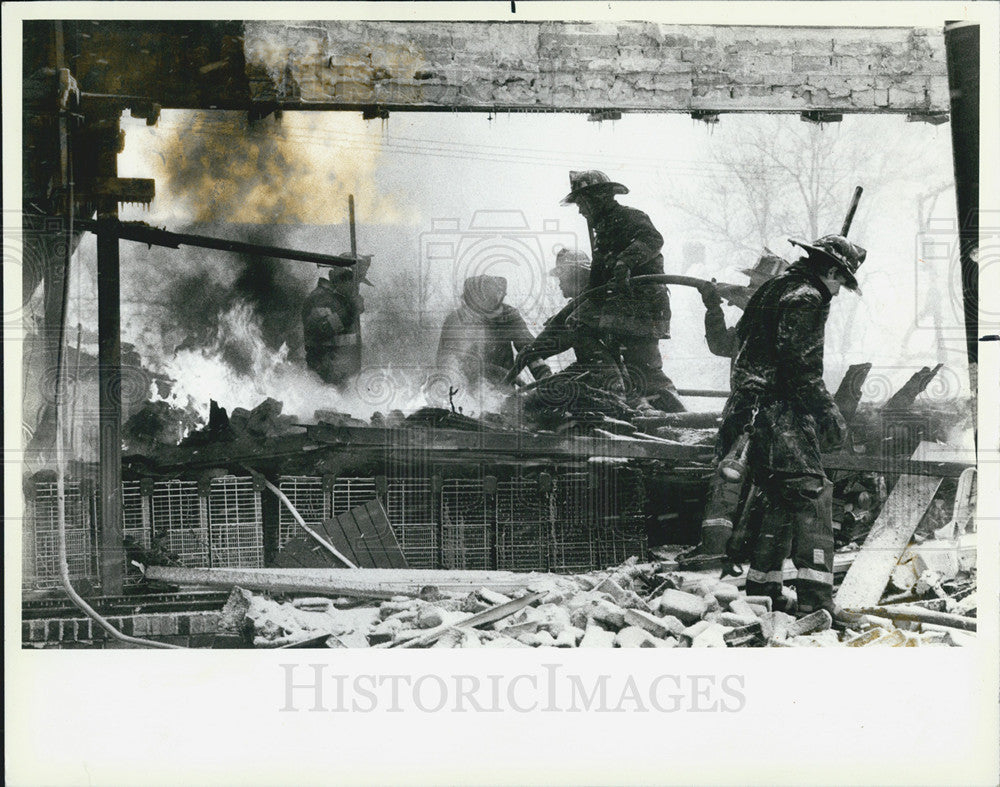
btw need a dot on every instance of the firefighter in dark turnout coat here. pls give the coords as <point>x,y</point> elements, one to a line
<point>625,243</point>
<point>778,391</point>
<point>329,327</point>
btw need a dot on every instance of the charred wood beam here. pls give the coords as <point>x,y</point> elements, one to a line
<point>152,236</point>
<point>515,444</point>
<point>849,393</point>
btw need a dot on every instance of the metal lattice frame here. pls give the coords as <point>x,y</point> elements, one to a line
<point>575,544</point>
<point>235,524</point>
<point>348,493</point>
<point>409,505</point>
<point>79,540</point>
<point>468,517</point>
<point>522,526</point>
<point>310,499</point>
<point>136,524</point>
<point>180,522</point>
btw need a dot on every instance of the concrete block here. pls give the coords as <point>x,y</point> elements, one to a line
<point>741,608</point>
<point>732,620</point>
<point>820,620</point>
<point>429,617</point>
<point>634,637</point>
<point>725,593</point>
<point>713,636</point>
<point>685,606</point>
<point>569,637</point>
<point>597,637</point>
<point>658,627</point>
<point>761,601</point>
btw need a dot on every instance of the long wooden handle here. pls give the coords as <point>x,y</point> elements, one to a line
<point>851,211</point>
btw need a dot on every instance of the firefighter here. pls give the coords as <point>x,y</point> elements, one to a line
<point>480,337</point>
<point>593,357</point>
<point>625,243</point>
<point>778,394</point>
<point>330,327</point>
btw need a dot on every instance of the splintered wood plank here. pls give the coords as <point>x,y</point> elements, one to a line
<point>377,536</point>
<point>334,532</point>
<point>869,574</point>
<point>386,535</point>
<point>355,536</point>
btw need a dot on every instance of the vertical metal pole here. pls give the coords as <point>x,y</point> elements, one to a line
<point>350,214</point>
<point>109,353</point>
<point>962,48</point>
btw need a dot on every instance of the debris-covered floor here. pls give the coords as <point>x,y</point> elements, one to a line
<point>634,605</point>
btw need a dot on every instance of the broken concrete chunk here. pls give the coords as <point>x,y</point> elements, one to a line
<point>569,637</point>
<point>552,618</point>
<point>658,627</point>
<point>597,637</point>
<point>725,593</point>
<point>775,625</point>
<point>685,606</point>
<point>695,629</point>
<point>627,599</point>
<point>390,608</point>
<point>504,642</point>
<point>761,601</point>
<point>820,620</point>
<point>742,608</point>
<point>429,617</point>
<point>750,635</point>
<point>492,597</point>
<point>634,637</point>
<point>713,636</point>
<point>732,620</point>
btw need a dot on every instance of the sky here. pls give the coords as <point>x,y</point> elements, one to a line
<point>441,196</point>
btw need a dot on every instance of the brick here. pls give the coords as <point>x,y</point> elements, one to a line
<point>634,637</point>
<point>184,624</point>
<point>713,636</point>
<point>37,631</point>
<point>53,631</point>
<point>168,625</point>
<point>819,620</point>
<point>68,632</point>
<point>725,593</point>
<point>25,631</point>
<point>658,627</point>
<point>597,637</point>
<point>141,625</point>
<point>684,606</point>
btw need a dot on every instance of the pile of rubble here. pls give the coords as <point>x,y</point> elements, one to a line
<point>632,606</point>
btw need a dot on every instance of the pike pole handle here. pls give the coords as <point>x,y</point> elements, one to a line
<point>851,211</point>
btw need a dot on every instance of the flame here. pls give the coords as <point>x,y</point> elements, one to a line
<point>237,369</point>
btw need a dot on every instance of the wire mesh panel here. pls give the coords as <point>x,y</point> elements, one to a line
<point>348,493</point>
<point>135,525</point>
<point>522,526</point>
<point>624,524</point>
<point>79,542</point>
<point>409,504</point>
<point>235,523</point>
<point>180,523</point>
<point>574,540</point>
<point>309,498</point>
<point>468,516</point>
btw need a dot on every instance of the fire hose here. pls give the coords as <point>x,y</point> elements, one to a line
<point>560,316</point>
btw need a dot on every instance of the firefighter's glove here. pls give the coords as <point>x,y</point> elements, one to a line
<point>525,357</point>
<point>709,295</point>
<point>832,430</point>
<point>621,274</point>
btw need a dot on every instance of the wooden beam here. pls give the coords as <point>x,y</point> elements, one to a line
<point>382,583</point>
<point>901,513</point>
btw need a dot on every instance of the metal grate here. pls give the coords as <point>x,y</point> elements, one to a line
<point>348,493</point>
<point>623,522</point>
<point>409,504</point>
<point>575,542</point>
<point>310,500</point>
<point>180,522</point>
<point>235,524</point>
<point>44,517</point>
<point>522,526</point>
<point>468,518</point>
<point>135,524</point>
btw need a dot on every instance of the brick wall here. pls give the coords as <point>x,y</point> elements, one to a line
<point>189,629</point>
<point>626,66</point>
